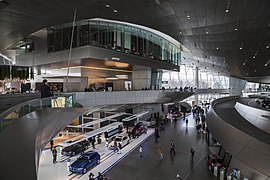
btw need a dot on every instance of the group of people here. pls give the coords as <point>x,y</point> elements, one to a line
<point>99,176</point>
<point>172,152</point>
<point>200,118</point>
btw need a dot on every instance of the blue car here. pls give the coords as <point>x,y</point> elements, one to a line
<point>85,162</point>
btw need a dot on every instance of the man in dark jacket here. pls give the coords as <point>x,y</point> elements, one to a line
<point>45,89</point>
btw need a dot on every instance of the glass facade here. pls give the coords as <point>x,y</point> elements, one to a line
<point>115,36</point>
<point>186,77</point>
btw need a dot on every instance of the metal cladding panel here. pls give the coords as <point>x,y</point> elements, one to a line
<point>131,97</point>
<point>250,155</point>
<point>257,117</point>
<point>22,141</point>
<point>255,159</point>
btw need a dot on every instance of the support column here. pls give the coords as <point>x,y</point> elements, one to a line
<point>197,84</point>
<point>156,79</point>
<point>141,77</point>
<point>236,86</point>
<point>96,115</point>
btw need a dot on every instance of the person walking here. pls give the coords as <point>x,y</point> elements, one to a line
<point>114,146</point>
<point>91,176</point>
<point>172,147</point>
<point>45,89</point>
<point>192,155</point>
<point>140,150</point>
<point>105,177</point>
<point>93,143</point>
<point>119,148</point>
<point>54,153</point>
<point>51,143</point>
<point>100,176</point>
<point>160,154</point>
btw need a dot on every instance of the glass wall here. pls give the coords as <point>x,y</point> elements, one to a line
<point>209,80</point>
<point>115,36</point>
<point>186,78</point>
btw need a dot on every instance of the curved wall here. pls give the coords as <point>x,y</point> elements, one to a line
<point>249,155</point>
<point>255,116</point>
<point>23,141</point>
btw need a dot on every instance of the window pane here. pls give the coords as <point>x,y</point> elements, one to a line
<point>94,33</point>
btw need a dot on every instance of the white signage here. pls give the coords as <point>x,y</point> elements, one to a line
<point>116,58</point>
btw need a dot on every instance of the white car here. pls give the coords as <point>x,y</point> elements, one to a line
<point>123,140</point>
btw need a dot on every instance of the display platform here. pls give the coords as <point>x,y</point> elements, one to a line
<point>60,171</point>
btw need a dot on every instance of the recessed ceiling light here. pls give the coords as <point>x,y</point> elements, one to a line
<point>235,29</point>
<point>107,5</point>
<point>266,64</point>
<point>255,70</point>
<point>216,48</point>
<point>254,57</point>
<point>206,32</point>
<point>267,47</point>
<point>188,16</point>
<point>180,32</point>
<point>242,45</point>
<point>115,11</point>
<point>228,6</point>
<point>244,64</point>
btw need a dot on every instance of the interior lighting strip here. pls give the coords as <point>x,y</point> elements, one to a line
<point>100,68</point>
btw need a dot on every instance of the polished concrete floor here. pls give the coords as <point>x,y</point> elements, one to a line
<point>149,167</point>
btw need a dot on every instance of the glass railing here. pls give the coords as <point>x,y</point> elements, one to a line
<point>18,111</point>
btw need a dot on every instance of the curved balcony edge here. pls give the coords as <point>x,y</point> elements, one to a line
<point>249,154</point>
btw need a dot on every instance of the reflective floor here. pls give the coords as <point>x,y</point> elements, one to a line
<point>149,167</point>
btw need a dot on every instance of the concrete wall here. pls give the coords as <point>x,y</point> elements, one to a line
<point>141,77</point>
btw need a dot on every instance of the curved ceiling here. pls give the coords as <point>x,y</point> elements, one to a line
<point>237,41</point>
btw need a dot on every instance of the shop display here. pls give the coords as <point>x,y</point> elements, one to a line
<point>139,129</point>
<point>123,140</point>
<point>75,148</point>
<point>85,162</point>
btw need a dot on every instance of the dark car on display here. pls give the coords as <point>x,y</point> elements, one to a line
<point>85,162</point>
<point>139,129</point>
<point>266,103</point>
<point>75,148</point>
<point>213,160</point>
